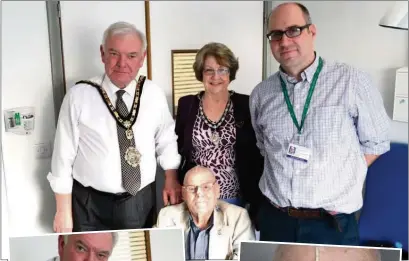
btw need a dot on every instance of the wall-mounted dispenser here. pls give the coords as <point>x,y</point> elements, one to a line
<point>400,107</point>
<point>19,120</point>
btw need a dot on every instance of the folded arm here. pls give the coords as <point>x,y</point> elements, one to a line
<point>254,104</point>
<point>371,120</point>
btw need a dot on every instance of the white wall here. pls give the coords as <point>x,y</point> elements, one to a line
<point>82,26</point>
<point>167,244</point>
<point>27,82</point>
<point>39,248</point>
<point>4,247</point>
<point>348,31</point>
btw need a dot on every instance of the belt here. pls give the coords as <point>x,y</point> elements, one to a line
<point>123,194</point>
<point>309,214</point>
<point>120,195</point>
<point>305,213</point>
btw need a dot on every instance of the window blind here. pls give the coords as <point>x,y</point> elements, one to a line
<point>132,246</point>
<point>183,76</point>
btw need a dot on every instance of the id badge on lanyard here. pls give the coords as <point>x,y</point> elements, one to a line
<point>297,149</point>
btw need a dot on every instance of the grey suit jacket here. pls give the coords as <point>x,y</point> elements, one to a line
<point>231,225</point>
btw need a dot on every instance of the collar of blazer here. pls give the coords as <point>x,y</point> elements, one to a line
<point>219,243</point>
<point>218,217</point>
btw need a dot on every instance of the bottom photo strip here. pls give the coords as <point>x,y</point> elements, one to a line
<point>274,251</point>
<point>169,244</point>
<point>118,245</point>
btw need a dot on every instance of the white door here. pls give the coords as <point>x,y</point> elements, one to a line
<point>82,26</point>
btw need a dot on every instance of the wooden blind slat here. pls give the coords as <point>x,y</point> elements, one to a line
<point>184,70</point>
<point>190,84</point>
<point>184,58</point>
<point>138,237</point>
<point>190,75</point>
<point>186,87</point>
<point>139,242</point>
<point>139,252</point>
<point>185,53</point>
<point>186,91</point>
<point>138,247</point>
<point>178,67</point>
<point>131,245</point>
<point>136,233</point>
<point>183,76</point>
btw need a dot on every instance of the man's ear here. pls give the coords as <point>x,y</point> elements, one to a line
<point>143,58</point>
<point>313,30</point>
<point>217,187</point>
<point>183,195</point>
<point>101,50</point>
<point>61,245</point>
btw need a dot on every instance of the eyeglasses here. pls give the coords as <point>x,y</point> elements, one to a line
<point>291,32</point>
<point>220,71</point>
<point>206,187</point>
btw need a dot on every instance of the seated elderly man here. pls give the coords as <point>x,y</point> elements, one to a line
<point>325,253</point>
<point>86,246</point>
<point>213,228</point>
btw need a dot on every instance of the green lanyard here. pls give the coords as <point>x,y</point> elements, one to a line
<point>307,102</point>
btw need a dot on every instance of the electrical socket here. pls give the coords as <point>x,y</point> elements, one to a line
<point>43,150</point>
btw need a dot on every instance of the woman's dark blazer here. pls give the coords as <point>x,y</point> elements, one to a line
<point>249,162</point>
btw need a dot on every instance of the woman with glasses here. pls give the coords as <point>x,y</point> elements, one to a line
<point>214,129</point>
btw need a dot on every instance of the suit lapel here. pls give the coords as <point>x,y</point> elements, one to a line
<point>239,120</point>
<point>219,241</point>
<point>185,218</point>
<point>239,113</point>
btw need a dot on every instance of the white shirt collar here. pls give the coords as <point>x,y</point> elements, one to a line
<point>112,88</point>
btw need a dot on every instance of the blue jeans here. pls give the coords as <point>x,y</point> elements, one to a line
<point>276,225</point>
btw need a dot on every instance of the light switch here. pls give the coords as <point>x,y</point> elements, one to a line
<point>43,150</point>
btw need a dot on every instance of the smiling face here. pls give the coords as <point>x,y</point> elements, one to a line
<point>216,78</point>
<point>291,52</point>
<point>86,247</point>
<point>200,191</point>
<point>123,56</point>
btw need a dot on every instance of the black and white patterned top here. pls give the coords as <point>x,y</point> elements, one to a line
<point>219,158</point>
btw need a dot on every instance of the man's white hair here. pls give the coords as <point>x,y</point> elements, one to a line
<point>123,28</point>
<point>280,254</point>
<point>114,238</point>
